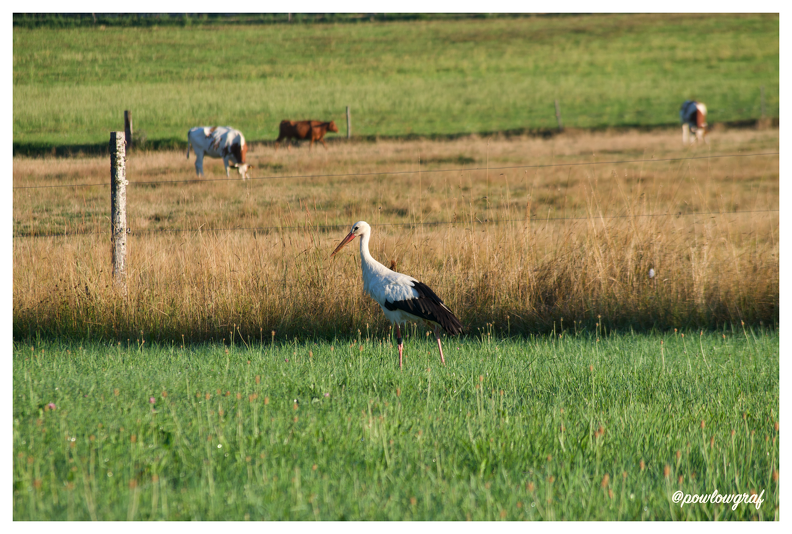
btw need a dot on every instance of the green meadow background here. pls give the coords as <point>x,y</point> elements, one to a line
<point>423,77</point>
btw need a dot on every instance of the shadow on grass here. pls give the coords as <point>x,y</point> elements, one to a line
<point>26,327</point>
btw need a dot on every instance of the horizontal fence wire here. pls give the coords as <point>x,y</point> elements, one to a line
<point>312,227</point>
<point>423,171</point>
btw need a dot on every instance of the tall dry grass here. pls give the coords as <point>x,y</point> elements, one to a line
<point>527,247</point>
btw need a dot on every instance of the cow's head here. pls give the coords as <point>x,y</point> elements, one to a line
<point>702,128</point>
<point>239,152</point>
<point>332,127</point>
<point>243,170</point>
<point>701,115</point>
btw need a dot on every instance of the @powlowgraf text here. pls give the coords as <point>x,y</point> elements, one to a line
<point>735,499</point>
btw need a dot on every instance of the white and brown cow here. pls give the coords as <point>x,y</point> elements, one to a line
<point>219,142</point>
<point>694,120</point>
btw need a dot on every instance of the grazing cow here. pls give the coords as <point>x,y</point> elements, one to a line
<point>219,142</point>
<point>313,130</point>
<point>694,119</point>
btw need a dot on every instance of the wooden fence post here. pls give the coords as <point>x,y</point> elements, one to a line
<point>349,125</point>
<point>118,218</point>
<point>128,127</point>
<point>558,116</point>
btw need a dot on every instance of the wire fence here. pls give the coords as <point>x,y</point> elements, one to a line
<point>416,171</point>
<point>308,226</point>
<point>476,221</point>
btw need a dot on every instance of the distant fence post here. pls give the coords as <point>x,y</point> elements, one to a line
<point>558,116</point>
<point>118,218</point>
<point>349,125</point>
<point>128,127</point>
<point>763,103</point>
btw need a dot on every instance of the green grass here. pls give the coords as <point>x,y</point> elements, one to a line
<point>510,429</point>
<point>439,77</point>
<point>94,20</point>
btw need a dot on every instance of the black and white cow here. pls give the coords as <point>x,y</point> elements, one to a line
<point>218,142</point>
<point>694,119</point>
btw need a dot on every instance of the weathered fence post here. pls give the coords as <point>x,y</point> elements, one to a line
<point>128,127</point>
<point>349,125</point>
<point>118,218</point>
<point>558,116</point>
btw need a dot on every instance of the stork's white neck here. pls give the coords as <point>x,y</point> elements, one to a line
<point>382,284</point>
<point>367,261</point>
<point>365,255</point>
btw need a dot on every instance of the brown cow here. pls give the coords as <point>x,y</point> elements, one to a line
<point>313,130</point>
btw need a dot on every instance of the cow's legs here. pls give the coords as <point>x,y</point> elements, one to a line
<point>323,143</point>
<point>225,164</point>
<point>199,163</point>
<point>685,133</point>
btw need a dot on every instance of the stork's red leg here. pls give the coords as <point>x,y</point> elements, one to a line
<point>439,345</point>
<point>399,342</point>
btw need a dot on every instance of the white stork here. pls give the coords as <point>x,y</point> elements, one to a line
<point>401,297</point>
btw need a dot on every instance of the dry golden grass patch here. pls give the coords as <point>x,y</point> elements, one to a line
<point>527,246</point>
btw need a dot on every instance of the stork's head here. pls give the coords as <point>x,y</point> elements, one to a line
<point>358,229</point>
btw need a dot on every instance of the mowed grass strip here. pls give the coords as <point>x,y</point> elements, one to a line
<point>568,426</point>
<point>71,86</point>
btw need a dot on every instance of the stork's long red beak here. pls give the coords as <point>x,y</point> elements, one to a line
<point>350,236</point>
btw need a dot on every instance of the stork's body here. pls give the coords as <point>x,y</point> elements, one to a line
<point>401,297</point>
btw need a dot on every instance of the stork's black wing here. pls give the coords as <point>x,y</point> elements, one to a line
<point>428,306</point>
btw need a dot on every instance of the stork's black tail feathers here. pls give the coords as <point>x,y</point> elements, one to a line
<point>428,306</point>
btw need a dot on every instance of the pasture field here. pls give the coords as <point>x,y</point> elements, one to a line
<point>566,426</point>
<point>245,375</point>
<point>434,78</point>
<point>522,248</point>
